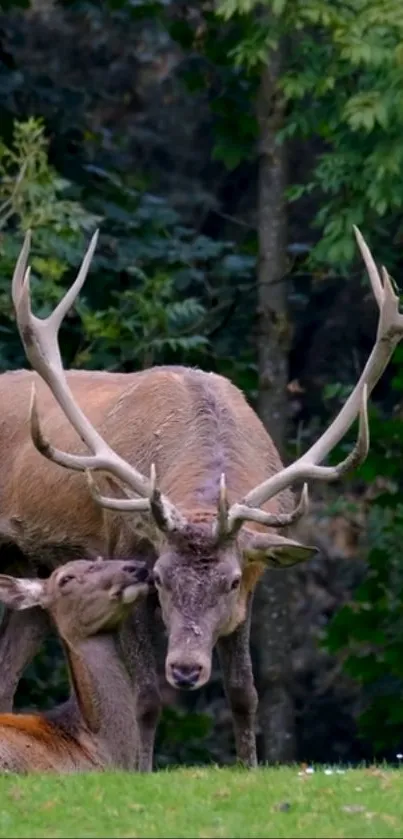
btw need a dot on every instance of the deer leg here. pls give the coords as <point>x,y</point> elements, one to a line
<point>138,645</point>
<point>236,665</point>
<point>21,635</point>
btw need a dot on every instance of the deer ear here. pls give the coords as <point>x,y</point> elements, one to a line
<point>21,593</point>
<point>273,550</point>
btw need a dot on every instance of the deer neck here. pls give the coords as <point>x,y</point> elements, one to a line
<point>102,697</point>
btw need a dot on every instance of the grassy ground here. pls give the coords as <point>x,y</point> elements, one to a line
<point>205,803</point>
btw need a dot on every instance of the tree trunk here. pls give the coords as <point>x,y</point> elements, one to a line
<point>271,613</point>
<point>274,337</point>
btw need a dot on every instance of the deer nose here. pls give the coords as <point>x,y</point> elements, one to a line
<point>139,570</point>
<point>186,676</point>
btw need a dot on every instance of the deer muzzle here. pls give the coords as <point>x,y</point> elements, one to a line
<point>188,662</point>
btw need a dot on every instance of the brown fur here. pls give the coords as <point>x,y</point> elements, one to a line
<point>193,426</point>
<point>88,732</point>
<point>41,746</point>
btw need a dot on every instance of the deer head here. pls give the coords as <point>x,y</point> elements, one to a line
<point>208,563</point>
<point>83,597</point>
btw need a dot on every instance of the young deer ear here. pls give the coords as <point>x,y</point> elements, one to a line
<point>21,593</point>
<point>273,550</point>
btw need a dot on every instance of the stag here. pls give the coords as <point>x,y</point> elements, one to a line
<point>96,728</point>
<point>189,479</point>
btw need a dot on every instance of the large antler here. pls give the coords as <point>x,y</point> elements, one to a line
<point>41,345</point>
<point>390,331</point>
<point>40,340</point>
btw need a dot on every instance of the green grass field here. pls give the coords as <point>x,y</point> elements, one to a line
<point>204,803</point>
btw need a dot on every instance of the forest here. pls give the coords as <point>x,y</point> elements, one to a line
<point>225,150</point>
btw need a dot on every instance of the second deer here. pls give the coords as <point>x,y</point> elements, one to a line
<point>95,729</point>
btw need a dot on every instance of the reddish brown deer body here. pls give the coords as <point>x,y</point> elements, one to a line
<point>96,728</point>
<point>198,464</point>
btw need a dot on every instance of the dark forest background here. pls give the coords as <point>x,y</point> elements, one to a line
<point>225,151</point>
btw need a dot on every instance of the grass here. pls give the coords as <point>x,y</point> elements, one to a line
<point>205,802</point>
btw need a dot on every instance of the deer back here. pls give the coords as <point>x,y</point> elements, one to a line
<point>191,424</point>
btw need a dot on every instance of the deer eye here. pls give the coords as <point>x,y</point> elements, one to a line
<point>66,579</point>
<point>236,582</point>
<point>157,579</point>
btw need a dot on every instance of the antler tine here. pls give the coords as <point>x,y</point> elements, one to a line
<point>241,513</point>
<point>44,447</point>
<point>57,316</point>
<point>386,298</point>
<point>39,336</point>
<point>221,525</point>
<point>124,505</point>
<point>165,514</point>
<point>373,272</point>
<point>20,282</point>
<point>303,470</point>
<point>20,269</point>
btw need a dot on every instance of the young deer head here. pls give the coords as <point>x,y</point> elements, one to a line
<point>83,597</point>
<point>87,601</point>
<point>227,473</point>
